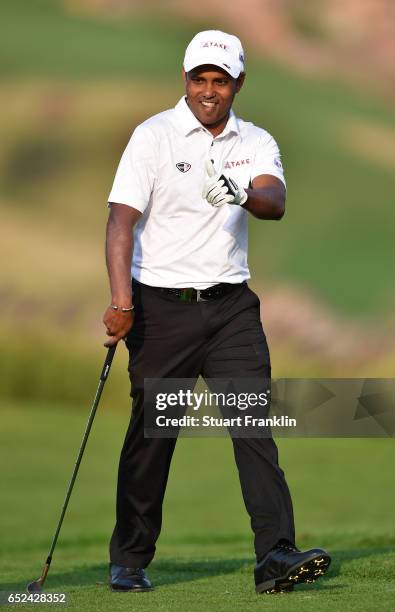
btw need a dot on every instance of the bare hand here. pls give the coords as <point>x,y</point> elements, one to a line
<point>118,325</point>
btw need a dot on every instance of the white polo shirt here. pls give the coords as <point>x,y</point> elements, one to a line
<point>181,240</point>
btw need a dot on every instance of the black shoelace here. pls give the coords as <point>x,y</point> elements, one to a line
<point>286,546</point>
<point>131,571</point>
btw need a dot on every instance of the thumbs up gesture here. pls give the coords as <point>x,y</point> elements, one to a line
<point>219,190</point>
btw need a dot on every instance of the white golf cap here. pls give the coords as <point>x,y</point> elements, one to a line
<point>217,48</point>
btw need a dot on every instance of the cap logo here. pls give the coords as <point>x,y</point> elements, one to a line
<point>183,166</point>
<point>215,44</point>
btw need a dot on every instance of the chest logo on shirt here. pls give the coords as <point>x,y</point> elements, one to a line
<point>239,162</point>
<point>183,166</point>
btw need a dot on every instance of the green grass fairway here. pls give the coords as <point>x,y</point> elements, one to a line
<point>343,494</point>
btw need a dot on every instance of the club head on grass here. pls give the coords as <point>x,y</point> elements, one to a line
<point>35,586</point>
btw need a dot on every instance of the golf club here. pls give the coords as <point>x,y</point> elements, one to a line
<point>37,585</point>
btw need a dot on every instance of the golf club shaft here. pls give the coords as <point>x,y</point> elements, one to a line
<point>103,378</point>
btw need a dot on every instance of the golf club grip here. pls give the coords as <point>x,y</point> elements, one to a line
<point>107,363</point>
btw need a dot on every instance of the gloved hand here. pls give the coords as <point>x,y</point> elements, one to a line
<point>219,190</point>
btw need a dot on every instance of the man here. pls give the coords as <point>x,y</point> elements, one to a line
<point>192,313</point>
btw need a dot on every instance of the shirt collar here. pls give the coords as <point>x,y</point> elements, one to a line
<point>189,123</point>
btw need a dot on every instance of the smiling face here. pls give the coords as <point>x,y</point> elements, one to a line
<point>210,92</point>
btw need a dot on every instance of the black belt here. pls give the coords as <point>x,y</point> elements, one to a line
<point>189,294</point>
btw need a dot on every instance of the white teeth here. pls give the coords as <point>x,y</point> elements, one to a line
<point>208,104</point>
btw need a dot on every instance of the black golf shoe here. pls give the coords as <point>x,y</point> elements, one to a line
<point>285,565</point>
<point>128,579</point>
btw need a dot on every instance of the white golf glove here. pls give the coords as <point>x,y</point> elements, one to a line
<point>219,190</point>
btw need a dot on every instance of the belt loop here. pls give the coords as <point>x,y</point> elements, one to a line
<point>198,296</point>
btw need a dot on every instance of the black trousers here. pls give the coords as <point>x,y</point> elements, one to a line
<point>220,338</point>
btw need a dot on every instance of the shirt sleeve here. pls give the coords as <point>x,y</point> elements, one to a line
<point>267,158</point>
<point>135,176</point>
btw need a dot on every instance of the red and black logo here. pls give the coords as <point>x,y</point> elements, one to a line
<point>183,166</point>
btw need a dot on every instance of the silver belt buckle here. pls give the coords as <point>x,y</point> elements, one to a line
<point>198,296</point>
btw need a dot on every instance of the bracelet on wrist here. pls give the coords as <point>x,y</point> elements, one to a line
<point>114,307</point>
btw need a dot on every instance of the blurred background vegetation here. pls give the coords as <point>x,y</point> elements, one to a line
<point>77,76</point>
